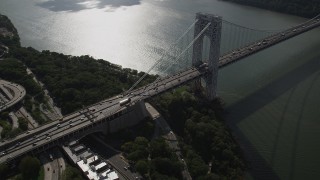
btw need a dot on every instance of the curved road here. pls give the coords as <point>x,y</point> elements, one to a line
<point>12,92</point>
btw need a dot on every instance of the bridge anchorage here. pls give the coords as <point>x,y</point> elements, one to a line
<point>211,25</point>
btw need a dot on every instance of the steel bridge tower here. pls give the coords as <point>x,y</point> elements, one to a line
<point>213,32</point>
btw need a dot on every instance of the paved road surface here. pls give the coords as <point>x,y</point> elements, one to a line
<point>47,167</point>
<point>26,115</point>
<point>54,165</point>
<point>13,93</point>
<point>89,116</point>
<point>14,118</point>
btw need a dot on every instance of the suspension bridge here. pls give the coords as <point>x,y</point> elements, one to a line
<point>195,55</point>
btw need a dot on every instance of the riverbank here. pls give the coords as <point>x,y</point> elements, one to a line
<point>74,81</point>
<point>307,9</point>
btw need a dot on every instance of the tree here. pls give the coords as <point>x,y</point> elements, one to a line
<point>23,124</point>
<point>137,155</point>
<point>196,165</point>
<point>4,115</point>
<point>29,167</point>
<point>166,166</point>
<point>6,128</point>
<point>142,167</point>
<point>3,170</point>
<point>14,132</point>
<point>127,147</point>
<point>141,142</point>
<point>159,148</point>
<point>210,176</point>
<point>71,173</point>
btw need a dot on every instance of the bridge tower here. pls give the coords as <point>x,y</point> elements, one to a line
<point>213,32</point>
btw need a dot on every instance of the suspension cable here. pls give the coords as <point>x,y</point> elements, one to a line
<point>189,45</point>
<point>165,52</point>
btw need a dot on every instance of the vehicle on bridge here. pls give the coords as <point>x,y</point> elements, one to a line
<point>125,101</point>
<point>203,65</point>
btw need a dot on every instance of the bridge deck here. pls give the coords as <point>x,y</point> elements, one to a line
<point>102,111</point>
<point>86,118</point>
<point>268,41</point>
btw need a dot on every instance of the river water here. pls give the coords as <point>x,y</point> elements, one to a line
<point>272,98</point>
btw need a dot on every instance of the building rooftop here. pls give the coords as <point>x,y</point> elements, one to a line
<point>101,165</point>
<point>90,164</point>
<point>91,172</point>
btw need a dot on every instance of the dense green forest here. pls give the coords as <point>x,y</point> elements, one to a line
<point>304,8</point>
<point>205,139</point>
<point>153,159</point>
<point>77,81</point>
<point>150,156</point>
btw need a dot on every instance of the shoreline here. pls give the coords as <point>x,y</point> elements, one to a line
<point>295,9</point>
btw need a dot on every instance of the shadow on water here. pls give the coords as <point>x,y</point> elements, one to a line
<point>298,125</point>
<point>260,169</point>
<point>78,5</point>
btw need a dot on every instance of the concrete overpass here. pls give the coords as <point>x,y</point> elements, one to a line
<point>105,116</point>
<point>11,94</point>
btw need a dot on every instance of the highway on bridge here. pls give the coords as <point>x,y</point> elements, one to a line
<point>50,134</point>
<point>268,41</point>
<point>54,132</point>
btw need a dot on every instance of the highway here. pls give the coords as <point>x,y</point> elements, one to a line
<point>10,99</point>
<point>268,41</point>
<point>87,117</point>
<point>53,132</point>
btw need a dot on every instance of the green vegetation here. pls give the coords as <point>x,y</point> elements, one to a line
<point>29,168</point>
<point>153,159</point>
<point>14,132</point>
<point>309,8</point>
<point>41,174</point>
<point>75,82</point>
<point>15,71</point>
<point>204,137</point>
<point>71,173</point>
<point>23,123</point>
<point>6,128</point>
<point>204,140</point>
<point>4,169</point>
